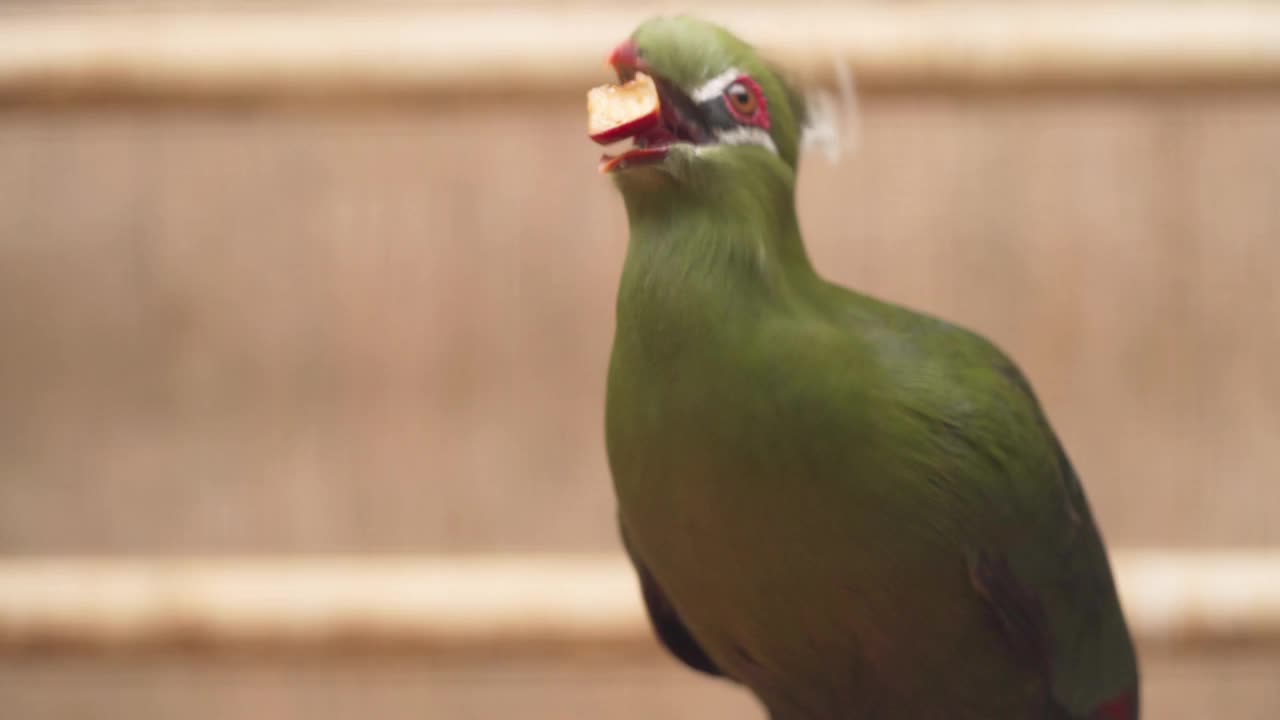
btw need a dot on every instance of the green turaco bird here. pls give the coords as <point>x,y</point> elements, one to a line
<point>854,510</point>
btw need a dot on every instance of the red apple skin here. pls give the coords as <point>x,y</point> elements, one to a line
<point>633,95</point>
<point>631,128</point>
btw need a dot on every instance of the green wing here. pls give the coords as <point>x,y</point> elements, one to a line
<point>1037,559</point>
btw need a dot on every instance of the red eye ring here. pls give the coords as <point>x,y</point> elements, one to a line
<point>746,102</point>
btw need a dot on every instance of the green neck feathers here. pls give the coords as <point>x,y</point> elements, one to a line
<point>728,229</point>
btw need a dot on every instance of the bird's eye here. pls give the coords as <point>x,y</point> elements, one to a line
<point>741,98</point>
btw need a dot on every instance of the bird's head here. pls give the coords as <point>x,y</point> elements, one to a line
<point>724,114</point>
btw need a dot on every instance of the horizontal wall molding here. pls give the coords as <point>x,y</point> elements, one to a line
<point>460,607</point>
<point>489,49</point>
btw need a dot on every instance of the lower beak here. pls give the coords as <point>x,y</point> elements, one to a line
<point>632,158</point>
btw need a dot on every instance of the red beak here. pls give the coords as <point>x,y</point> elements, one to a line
<point>625,59</point>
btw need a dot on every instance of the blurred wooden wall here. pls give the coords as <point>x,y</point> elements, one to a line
<point>243,330</point>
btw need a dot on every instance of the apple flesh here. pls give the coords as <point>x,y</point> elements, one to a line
<point>615,112</point>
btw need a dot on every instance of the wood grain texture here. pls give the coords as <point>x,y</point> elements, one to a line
<point>231,331</point>
<point>241,331</point>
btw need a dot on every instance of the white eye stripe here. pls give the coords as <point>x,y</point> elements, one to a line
<point>712,88</point>
<point>747,136</point>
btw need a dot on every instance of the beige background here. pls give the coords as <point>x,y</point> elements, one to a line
<point>274,330</point>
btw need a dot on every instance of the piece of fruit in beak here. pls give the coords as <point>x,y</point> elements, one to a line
<point>616,112</point>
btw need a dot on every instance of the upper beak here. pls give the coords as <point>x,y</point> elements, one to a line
<point>626,60</point>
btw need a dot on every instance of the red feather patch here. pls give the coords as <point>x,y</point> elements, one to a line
<point>1124,707</point>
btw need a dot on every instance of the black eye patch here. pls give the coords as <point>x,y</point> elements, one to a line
<point>717,115</point>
